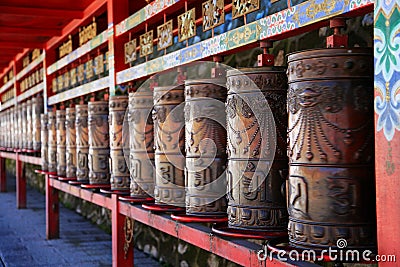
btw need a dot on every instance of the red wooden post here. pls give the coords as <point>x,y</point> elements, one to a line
<point>3,179</point>
<point>117,10</point>
<point>120,257</point>
<point>387,126</point>
<point>21,183</point>
<point>52,211</point>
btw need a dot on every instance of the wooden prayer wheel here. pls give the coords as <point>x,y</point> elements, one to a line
<point>82,143</point>
<point>52,141</point>
<point>61,143</point>
<point>257,163</point>
<point>169,138</point>
<point>44,141</point>
<point>119,170</point>
<point>14,127</point>
<point>29,125</point>
<point>4,126</point>
<point>37,109</point>
<point>141,143</point>
<point>331,193</point>
<point>205,147</point>
<point>24,133</point>
<point>99,148</point>
<point>5,140</point>
<point>19,132</point>
<point>70,142</point>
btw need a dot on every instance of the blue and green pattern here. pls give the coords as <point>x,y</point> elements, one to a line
<point>387,66</point>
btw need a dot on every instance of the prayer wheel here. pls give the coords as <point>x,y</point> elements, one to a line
<point>169,138</point>
<point>29,125</point>
<point>119,170</point>
<point>99,148</point>
<point>141,143</point>
<point>37,109</point>
<point>257,148</point>
<point>61,143</point>
<point>44,141</point>
<point>19,142</point>
<point>205,147</point>
<point>24,132</point>
<point>70,142</point>
<point>13,127</point>
<point>4,126</point>
<point>331,193</point>
<point>5,142</point>
<point>52,141</point>
<point>82,143</point>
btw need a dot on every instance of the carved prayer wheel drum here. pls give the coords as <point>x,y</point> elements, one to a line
<point>331,180</point>
<point>99,148</point>
<point>257,160</point>
<point>70,142</point>
<point>24,132</point>
<point>52,141</point>
<point>141,143</point>
<point>15,126</point>
<point>82,143</point>
<point>120,179</point>
<point>205,147</point>
<point>19,132</point>
<point>169,138</point>
<point>29,125</point>
<point>44,141</point>
<point>61,143</point>
<point>37,109</point>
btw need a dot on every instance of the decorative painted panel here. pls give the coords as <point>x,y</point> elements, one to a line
<point>387,67</point>
<point>130,51</point>
<point>187,25</point>
<point>165,35</point>
<point>146,44</point>
<point>213,14</point>
<point>242,7</point>
<point>270,26</point>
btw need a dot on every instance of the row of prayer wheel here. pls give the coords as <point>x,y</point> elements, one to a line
<point>306,166</point>
<point>20,125</point>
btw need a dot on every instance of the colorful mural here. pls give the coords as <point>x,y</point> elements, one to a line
<point>387,66</point>
<point>266,27</point>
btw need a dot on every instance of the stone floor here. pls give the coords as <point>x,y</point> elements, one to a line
<point>23,236</point>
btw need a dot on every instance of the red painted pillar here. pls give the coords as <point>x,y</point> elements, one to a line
<point>117,10</point>
<point>387,126</point>
<point>21,183</point>
<point>52,211</point>
<point>121,255</point>
<point>3,178</point>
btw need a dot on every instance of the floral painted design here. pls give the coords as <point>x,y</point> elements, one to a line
<point>387,66</point>
<point>387,106</point>
<point>387,45</point>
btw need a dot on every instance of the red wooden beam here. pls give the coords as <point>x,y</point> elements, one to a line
<point>42,12</point>
<point>98,199</point>
<point>30,159</point>
<point>52,211</point>
<point>20,44</point>
<point>119,257</point>
<point>73,25</point>
<point>31,31</point>
<point>21,184</point>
